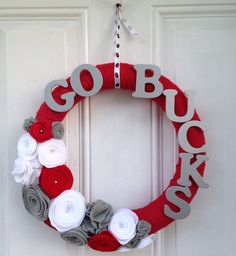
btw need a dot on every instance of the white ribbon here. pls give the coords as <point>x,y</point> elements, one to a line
<point>123,225</point>
<point>27,147</point>
<point>67,211</point>
<point>52,153</point>
<point>119,19</point>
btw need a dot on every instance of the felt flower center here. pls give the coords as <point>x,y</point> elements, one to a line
<point>121,225</point>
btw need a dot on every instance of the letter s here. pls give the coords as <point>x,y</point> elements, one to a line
<point>180,203</point>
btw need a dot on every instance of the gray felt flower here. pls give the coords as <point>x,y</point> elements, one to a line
<point>35,201</point>
<point>28,122</point>
<point>76,236</point>
<point>142,230</point>
<point>57,130</point>
<point>97,217</point>
<point>132,243</point>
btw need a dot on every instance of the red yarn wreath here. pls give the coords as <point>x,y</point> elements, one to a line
<point>154,211</point>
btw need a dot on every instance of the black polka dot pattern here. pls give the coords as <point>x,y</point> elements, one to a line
<point>117,49</point>
<point>118,20</point>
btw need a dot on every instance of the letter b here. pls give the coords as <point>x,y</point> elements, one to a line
<point>142,80</point>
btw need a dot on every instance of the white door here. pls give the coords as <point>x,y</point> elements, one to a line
<point>121,149</point>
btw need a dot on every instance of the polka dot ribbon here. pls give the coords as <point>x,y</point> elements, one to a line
<point>118,21</point>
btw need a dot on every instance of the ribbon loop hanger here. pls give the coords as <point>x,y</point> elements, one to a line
<point>119,19</point>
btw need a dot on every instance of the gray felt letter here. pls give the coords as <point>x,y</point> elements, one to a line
<point>52,104</point>
<point>189,169</point>
<point>180,203</point>
<point>170,105</point>
<point>76,83</point>
<point>142,80</point>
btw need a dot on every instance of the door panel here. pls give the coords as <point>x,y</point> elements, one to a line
<point>122,149</point>
<point>198,52</point>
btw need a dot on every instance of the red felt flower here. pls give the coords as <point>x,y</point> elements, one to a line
<point>54,181</point>
<point>41,131</point>
<point>104,242</point>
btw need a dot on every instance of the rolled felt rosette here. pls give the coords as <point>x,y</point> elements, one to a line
<point>75,236</point>
<point>52,153</point>
<point>27,147</point>
<point>54,181</point>
<point>67,211</point>
<point>36,202</point>
<point>104,242</point>
<point>41,131</point>
<point>123,225</point>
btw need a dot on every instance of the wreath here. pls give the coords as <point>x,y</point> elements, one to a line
<point>47,181</point>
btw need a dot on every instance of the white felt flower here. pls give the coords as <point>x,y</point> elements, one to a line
<point>52,153</point>
<point>123,225</point>
<point>25,171</point>
<point>27,147</point>
<point>67,211</point>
